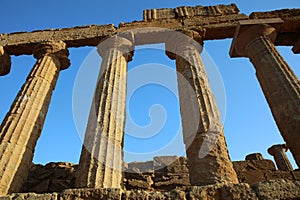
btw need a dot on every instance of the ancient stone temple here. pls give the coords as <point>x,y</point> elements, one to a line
<point>101,172</point>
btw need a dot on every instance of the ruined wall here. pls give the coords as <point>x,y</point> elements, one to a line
<point>153,175</point>
<point>258,178</point>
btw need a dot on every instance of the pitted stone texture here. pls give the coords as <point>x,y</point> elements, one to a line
<point>53,177</point>
<point>284,13</point>
<point>254,156</point>
<point>290,16</point>
<point>253,171</point>
<point>136,195</point>
<point>23,123</point>
<point>101,159</point>
<point>30,196</point>
<point>221,192</point>
<point>171,172</point>
<point>206,149</point>
<point>187,12</point>
<point>220,27</point>
<point>237,192</point>
<point>58,176</point>
<point>89,194</point>
<point>138,175</point>
<point>267,190</point>
<point>277,189</point>
<point>24,42</point>
<point>5,62</point>
<point>144,195</point>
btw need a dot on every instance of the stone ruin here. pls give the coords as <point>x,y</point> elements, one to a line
<point>100,172</point>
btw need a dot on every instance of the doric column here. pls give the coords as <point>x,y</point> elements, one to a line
<point>206,149</point>
<point>23,124</point>
<point>5,62</point>
<point>101,158</point>
<point>279,83</point>
<point>282,161</point>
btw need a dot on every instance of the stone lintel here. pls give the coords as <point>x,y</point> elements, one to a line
<point>21,43</point>
<point>218,27</point>
<point>245,24</point>
<point>296,48</point>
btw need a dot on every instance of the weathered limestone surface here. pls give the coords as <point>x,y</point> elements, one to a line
<point>254,156</point>
<point>291,22</point>
<point>101,158</point>
<point>207,153</point>
<point>5,61</point>
<point>267,190</point>
<point>88,193</point>
<point>163,173</point>
<point>277,189</point>
<point>283,14</point>
<point>144,195</point>
<point>24,42</point>
<point>222,191</point>
<point>53,177</point>
<point>187,12</point>
<point>257,170</point>
<point>290,17</point>
<point>217,27</point>
<point>30,196</point>
<point>170,175</point>
<point>138,175</point>
<point>279,83</point>
<point>219,21</point>
<point>282,161</point>
<point>23,123</point>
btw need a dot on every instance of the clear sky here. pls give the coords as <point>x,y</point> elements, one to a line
<point>249,126</point>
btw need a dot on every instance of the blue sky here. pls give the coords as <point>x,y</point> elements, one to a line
<point>249,126</point>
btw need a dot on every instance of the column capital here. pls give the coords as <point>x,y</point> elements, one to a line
<point>5,62</point>
<point>296,47</point>
<point>282,161</point>
<point>182,40</point>
<point>278,148</point>
<point>122,42</point>
<point>250,30</point>
<point>56,49</point>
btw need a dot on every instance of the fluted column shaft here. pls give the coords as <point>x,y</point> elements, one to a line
<point>101,158</point>
<point>279,83</point>
<point>207,153</point>
<point>23,124</point>
<point>282,161</point>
